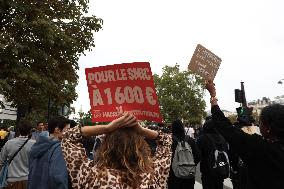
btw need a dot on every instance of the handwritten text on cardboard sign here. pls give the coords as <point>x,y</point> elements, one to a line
<point>204,62</point>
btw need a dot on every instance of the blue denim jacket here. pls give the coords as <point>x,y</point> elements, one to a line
<point>47,166</point>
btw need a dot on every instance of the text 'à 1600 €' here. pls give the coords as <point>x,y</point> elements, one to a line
<point>124,95</point>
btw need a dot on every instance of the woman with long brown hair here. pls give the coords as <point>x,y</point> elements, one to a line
<point>123,160</point>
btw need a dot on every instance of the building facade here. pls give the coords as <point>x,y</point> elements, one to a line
<point>259,104</point>
<point>8,112</point>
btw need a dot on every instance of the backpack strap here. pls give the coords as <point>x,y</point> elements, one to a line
<point>9,161</point>
<point>182,141</point>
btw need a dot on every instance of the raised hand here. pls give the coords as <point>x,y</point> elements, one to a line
<point>126,120</point>
<point>210,86</point>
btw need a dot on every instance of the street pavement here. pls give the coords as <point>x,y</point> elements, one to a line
<point>198,185</point>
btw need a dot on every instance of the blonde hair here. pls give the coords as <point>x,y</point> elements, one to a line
<point>250,130</point>
<point>126,151</point>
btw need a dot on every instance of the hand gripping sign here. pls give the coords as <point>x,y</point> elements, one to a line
<point>129,86</point>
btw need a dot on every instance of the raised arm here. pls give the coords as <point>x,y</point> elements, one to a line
<point>125,120</point>
<point>240,141</point>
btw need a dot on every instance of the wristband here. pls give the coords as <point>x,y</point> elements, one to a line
<point>213,99</point>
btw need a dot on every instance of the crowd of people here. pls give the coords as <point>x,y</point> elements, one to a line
<point>123,154</point>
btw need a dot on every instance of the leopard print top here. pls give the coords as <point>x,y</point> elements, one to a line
<point>84,174</point>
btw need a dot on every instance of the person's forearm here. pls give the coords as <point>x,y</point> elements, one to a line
<point>94,130</point>
<point>148,133</point>
<point>214,103</point>
<point>213,99</point>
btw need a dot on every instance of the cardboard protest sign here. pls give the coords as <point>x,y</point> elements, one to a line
<point>128,85</point>
<point>204,62</point>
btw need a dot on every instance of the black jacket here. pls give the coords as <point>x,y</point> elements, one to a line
<point>264,159</point>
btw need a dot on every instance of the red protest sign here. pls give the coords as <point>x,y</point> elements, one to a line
<point>128,85</point>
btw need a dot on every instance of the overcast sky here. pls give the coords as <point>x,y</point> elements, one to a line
<point>247,34</point>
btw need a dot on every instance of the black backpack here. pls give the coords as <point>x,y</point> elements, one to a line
<point>218,160</point>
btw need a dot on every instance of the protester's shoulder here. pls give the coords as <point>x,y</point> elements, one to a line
<point>164,137</point>
<point>56,150</point>
<point>255,140</point>
<point>204,137</point>
<point>31,142</point>
<point>9,143</point>
<point>56,146</point>
<point>35,133</point>
<point>44,133</point>
<point>256,136</point>
<point>12,141</point>
<point>74,132</point>
<point>263,148</point>
<point>264,144</point>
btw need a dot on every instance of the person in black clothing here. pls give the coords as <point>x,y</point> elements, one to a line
<point>179,133</point>
<point>206,144</point>
<point>239,174</point>
<point>263,155</point>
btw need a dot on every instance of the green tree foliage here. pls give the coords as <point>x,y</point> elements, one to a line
<point>40,44</point>
<point>180,95</point>
<point>8,123</point>
<point>86,118</point>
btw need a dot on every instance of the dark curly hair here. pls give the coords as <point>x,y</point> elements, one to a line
<point>273,116</point>
<point>178,129</point>
<point>59,122</point>
<point>24,127</point>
